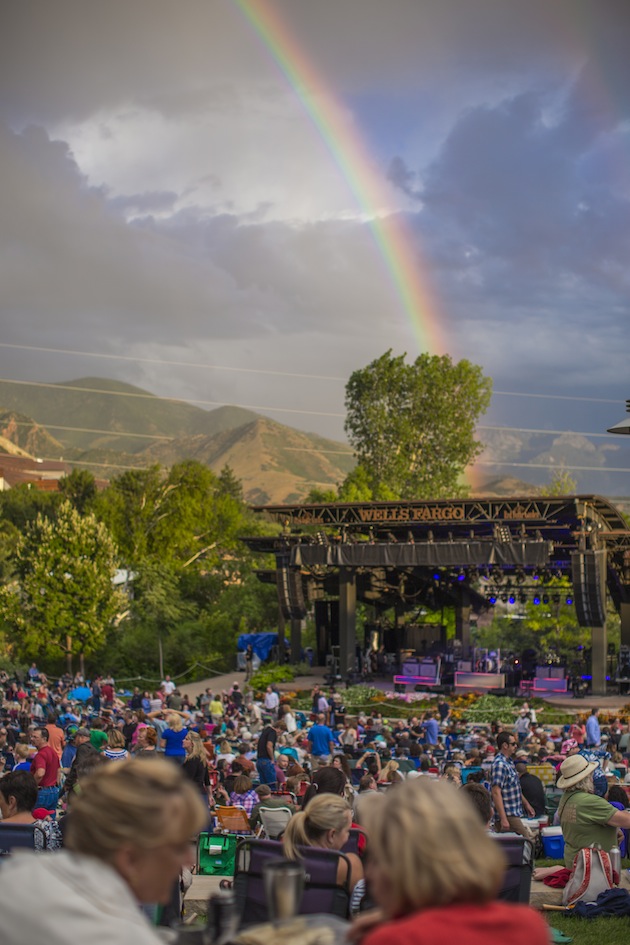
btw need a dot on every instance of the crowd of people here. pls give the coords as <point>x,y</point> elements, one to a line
<point>229,748</point>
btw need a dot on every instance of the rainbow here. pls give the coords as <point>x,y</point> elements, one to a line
<point>393,238</point>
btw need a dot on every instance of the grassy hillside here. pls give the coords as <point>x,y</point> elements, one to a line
<point>275,463</point>
<point>75,410</point>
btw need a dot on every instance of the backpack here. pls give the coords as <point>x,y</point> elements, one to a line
<point>592,874</point>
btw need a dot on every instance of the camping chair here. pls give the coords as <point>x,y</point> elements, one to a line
<point>519,854</point>
<point>321,891</point>
<point>286,796</point>
<point>233,820</point>
<point>356,839</point>
<point>274,821</point>
<point>14,836</point>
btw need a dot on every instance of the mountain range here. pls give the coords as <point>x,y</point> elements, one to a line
<point>108,426</point>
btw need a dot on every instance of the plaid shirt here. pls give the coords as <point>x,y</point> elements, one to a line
<point>504,775</point>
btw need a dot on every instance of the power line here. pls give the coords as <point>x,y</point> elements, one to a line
<point>110,433</point>
<point>169,400</point>
<point>171,362</point>
<point>548,432</point>
<point>560,467</point>
<point>163,437</point>
<point>246,370</point>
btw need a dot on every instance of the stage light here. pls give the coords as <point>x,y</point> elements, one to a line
<point>569,601</point>
<point>545,598</point>
<point>511,599</point>
<point>522,597</point>
<point>436,576</point>
<point>536,599</point>
<point>461,576</point>
<point>492,599</point>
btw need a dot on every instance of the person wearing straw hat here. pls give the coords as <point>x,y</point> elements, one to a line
<point>585,818</point>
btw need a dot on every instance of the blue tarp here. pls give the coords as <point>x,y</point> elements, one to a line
<point>261,643</point>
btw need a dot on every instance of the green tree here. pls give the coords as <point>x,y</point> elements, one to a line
<point>24,503</point>
<point>412,426</point>
<point>562,483</point>
<point>63,598</point>
<point>79,488</point>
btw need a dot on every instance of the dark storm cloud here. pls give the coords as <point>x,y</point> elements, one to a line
<point>68,260</point>
<point>515,201</point>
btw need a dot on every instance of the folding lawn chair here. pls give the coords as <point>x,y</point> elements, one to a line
<point>519,854</point>
<point>233,820</point>
<point>321,890</point>
<point>274,821</point>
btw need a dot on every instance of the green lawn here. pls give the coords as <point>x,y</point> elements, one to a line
<point>604,931</point>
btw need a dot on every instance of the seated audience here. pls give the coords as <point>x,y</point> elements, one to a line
<point>439,884</point>
<point>127,837</point>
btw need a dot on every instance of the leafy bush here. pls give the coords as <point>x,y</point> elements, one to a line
<point>269,675</point>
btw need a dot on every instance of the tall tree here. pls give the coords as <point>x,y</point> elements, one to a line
<point>79,488</point>
<point>63,598</point>
<point>413,425</point>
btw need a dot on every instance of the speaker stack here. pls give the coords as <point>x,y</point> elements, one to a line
<point>588,571</point>
<point>290,590</point>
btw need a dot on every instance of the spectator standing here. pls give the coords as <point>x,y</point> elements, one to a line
<point>56,736</point>
<point>265,763</point>
<point>173,739</point>
<point>272,702</point>
<point>45,768</point>
<point>249,662</point>
<point>167,686</point>
<point>593,731</point>
<point>444,711</point>
<point>507,796</point>
<point>431,729</point>
<point>96,694</point>
<point>107,692</point>
<point>320,741</point>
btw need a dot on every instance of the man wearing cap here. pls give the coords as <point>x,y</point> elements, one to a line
<point>585,818</point>
<point>507,796</point>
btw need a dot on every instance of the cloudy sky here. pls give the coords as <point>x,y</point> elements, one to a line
<point>215,211</point>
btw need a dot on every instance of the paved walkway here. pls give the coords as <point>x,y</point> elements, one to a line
<point>225,681</point>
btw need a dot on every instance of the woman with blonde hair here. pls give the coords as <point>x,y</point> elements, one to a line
<point>325,823</point>
<point>127,838</point>
<point>435,873</point>
<point>390,773</point>
<point>115,750</point>
<point>173,739</point>
<point>195,766</point>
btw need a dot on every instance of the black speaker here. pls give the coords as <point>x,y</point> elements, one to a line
<point>290,593</point>
<point>588,573</point>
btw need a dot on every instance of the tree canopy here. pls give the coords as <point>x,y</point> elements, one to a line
<point>63,585</point>
<point>412,426</point>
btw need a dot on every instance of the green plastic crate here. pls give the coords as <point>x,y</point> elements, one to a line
<point>216,854</point>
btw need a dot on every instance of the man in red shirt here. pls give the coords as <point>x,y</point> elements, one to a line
<point>45,768</point>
